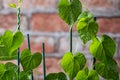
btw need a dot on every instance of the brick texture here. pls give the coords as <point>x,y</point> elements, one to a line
<point>111,25</point>
<point>36,44</point>
<point>40,18</point>
<point>103,4</point>
<point>48,23</point>
<point>52,65</point>
<point>28,4</point>
<point>77,45</point>
<point>9,22</point>
<point>1,4</point>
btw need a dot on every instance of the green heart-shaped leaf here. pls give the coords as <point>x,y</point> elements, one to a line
<point>17,41</point>
<point>92,75</point>
<point>73,63</point>
<point>25,75</point>
<point>56,76</point>
<point>82,74</point>
<point>101,49</point>
<point>108,70</point>
<point>87,28</point>
<point>9,43</point>
<point>69,11</point>
<point>8,71</point>
<point>29,61</point>
<point>87,75</point>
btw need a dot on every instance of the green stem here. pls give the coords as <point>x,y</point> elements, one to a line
<point>18,64</point>
<point>18,18</point>
<point>71,39</point>
<point>18,28</point>
<point>44,65</point>
<point>28,39</point>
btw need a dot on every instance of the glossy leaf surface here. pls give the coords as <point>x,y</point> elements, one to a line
<point>87,28</point>
<point>30,61</point>
<point>69,11</point>
<point>108,70</point>
<point>8,71</point>
<point>73,63</point>
<point>9,43</point>
<point>103,48</point>
<point>87,75</point>
<point>56,76</point>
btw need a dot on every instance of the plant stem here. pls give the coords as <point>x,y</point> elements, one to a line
<point>71,39</point>
<point>28,39</point>
<point>44,65</point>
<point>94,60</point>
<point>18,64</point>
<point>18,18</point>
<point>18,29</point>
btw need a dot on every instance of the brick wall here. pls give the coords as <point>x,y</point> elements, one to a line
<point>40,19</point>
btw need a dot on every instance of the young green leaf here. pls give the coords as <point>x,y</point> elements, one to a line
<point>17,41</point>
<point>87,28</point>
<point>87,75</point>
<point>9,44</point>
<point>73,63</point>
<point>19,1</point>
<point>92,75</point>
<point>109,70</point>
<point>7,39</point>
<point>69,11</point>
<point>25,75</point>
<point>56,76</point>
<point>109,45</point>
<point>82,74</point>
<point>2,69</point>
<point>8,71</point>
<point>12,5</point>
<point>86,16</point>
<point>102,49</point>
<point>29,61</point>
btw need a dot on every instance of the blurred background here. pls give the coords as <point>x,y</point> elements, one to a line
<point>40,19</point>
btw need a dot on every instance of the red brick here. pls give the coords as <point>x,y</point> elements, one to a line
<point>52,66</point>
<point>27,4</point>
<point>10,22</point>
<point>64,45</point>
<point>36,44</point>
<point>48,23</point>
<point>103,4</point>
<point>109,25</point>
<point>0,4</point>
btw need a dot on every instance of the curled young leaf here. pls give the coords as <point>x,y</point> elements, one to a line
<point>12,5</point>
<point>87,28</point>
